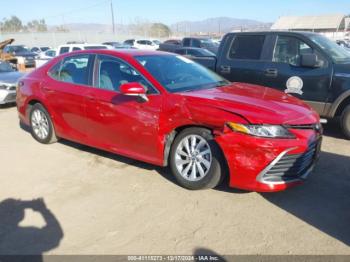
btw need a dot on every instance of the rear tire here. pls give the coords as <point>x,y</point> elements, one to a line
<point>345,122</point>
<point>41,126</point>
<point>196,160</point>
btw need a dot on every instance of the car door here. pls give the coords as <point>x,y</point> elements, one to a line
<point>244,61</point>
<point>285,72</point>
<point>119,123</point>
<point>65,92</point>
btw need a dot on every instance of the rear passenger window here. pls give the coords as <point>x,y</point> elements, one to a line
<point>76,49</point>
<point>55,71</point>
<point>187,42</point>
<point>196,43</point>
<point>64,50</point>
<point>247,47</point>
<point>73,69</point>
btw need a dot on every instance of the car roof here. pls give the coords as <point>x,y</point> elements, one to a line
<point>81,45</point>
<point>277,32</point>
<point>123,52</point>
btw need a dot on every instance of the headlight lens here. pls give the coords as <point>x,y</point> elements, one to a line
<point>270,131</point>
<point>3,86</point>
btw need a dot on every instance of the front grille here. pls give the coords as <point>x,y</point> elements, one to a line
<point>292,166</point>
<point>317,127</point>
<point>10,98</point>
<point>8,87</point>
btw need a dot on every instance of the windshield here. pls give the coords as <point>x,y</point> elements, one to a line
<point>179,74</point>
<point>205,52</point>
<point>338,53</point>
<point>43,49</point>
<point>5,67</point>
<point>208,42</point>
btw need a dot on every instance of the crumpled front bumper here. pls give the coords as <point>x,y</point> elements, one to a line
<point>269,165</point>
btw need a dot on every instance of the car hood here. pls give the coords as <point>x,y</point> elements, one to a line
<point>257,104</point>
<point>10,77</point>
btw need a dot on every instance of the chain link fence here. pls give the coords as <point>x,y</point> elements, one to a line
<point>54,39</point>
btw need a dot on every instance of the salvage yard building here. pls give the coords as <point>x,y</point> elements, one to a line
<point>331,25</point>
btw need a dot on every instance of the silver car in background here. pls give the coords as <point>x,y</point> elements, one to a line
<point>8,81</point>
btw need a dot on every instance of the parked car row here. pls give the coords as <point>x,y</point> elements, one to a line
<point>197,42</point>
<point>8,82</point>
<point>168,110</point>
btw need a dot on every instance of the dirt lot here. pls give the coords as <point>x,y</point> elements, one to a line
<point>98,203</point>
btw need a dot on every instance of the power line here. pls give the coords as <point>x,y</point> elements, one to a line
<point>112,12</point>
<point>77,10</point>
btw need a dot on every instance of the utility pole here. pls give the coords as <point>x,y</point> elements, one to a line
<point>112,12</point>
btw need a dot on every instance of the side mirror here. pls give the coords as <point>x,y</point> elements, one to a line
<point>308,60</point>
<point>134,89</point>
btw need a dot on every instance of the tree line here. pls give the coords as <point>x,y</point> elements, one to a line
<point>14,24</point>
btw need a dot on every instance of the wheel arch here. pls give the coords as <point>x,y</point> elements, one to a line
<point>31,102</point>
<point>170,137</point>
<point>344,103</point>
<point>339,104</point>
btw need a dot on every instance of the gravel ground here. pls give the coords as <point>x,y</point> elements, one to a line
<point>70,199</point>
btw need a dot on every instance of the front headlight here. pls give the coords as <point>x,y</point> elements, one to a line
<point>270,131</point>
<point>4,86</point>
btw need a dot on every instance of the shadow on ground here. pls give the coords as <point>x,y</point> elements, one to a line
<point>9,105</point>
<point>324,200</point>
<point>26,240</point>
<point>332,129</point>
<point>204,254</point>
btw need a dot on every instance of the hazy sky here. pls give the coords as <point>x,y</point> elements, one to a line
<point>167,11</point>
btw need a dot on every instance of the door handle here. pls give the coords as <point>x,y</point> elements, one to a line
<point>271,72</point>
<point>225,69</point>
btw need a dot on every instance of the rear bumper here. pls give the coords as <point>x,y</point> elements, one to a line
<point>29,63</point>
<point>269,165</point>
<point>7,96</point>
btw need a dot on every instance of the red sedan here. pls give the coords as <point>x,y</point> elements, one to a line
<point>167,110</point>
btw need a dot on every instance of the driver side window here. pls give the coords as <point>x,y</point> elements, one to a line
<point>112,73</point>
<point>289,50</point>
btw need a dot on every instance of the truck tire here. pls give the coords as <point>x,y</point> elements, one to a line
<point>345,122</point>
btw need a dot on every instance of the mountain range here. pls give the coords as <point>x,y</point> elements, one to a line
<point>210,25</point>
<point>219,24</point>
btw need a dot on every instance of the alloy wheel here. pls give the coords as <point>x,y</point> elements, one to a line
<point>40,124</point>
<point>193,158</point>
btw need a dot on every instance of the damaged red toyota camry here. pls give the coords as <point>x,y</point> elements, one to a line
<point>164,109</point>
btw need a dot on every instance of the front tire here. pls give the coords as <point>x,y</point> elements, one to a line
<point>196,160</point>
<point>345,122</point>
<point>41,126</point>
